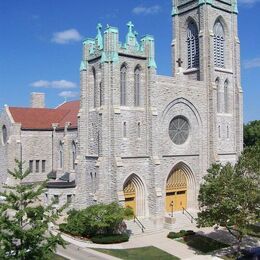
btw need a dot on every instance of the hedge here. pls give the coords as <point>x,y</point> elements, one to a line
<point>182,233</point>
<point>110,239</point>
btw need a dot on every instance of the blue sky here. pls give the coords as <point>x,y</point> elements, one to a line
<point>40,47</point>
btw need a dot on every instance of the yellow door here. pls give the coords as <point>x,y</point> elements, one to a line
<point>176,191</point>
<point>130,196</point>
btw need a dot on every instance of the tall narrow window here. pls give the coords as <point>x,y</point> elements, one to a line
<point>31,165</point>
<point>124,129</point>
<point>74,155</point>
<point>218,95</point>
<point>123,85</point>
<point>227,132</point>
<point>94,86</point>
<point>37,166</point>
<point>137,86</point>
<point>61,155</point>
<point>219,132</point>
<point>192,45</point>
<point>139,130</point>
<point>4,134</point>
<point>100,93</point>
<point>219,49</point>
<point>43,165</point>
<point>226,96</point>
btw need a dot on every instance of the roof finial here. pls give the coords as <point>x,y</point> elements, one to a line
<point>130,26</point>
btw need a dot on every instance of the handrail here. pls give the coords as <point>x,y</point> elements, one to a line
<point>136,220</point>
<point>192,218</point>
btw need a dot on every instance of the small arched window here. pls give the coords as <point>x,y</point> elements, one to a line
<point>4,134</point>
<point>226,105</point>
<point>219,49</point>
<point>137,86</point>
<point>123,71</point>
<point>218,95</point>
<point>219,132</point>
<point>227,132</point>
<point>74,155</point>
<point>192,45</point>
<point>61,155</point>
<point>94,86</point>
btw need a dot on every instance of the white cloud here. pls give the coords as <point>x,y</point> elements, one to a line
<point>41,84</point>
<point>67,36</point>
<point>253,63</point>
<point>138,10</point>
<point>59,84</point>
<point>68,94</point>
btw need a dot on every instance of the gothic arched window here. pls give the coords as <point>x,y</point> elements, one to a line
<point>192,45</point>
<point>123,85</point>
<point>94,86</point>
<point>218,95</point>
<point>137,86</point>
<point>61,155</point>
<point>219,49</point>
<point>226,105</point>
<point>74,154</point>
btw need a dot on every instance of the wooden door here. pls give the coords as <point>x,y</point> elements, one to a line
<point>130,196</point>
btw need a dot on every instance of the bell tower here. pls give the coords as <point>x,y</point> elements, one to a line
<point>205,40</point>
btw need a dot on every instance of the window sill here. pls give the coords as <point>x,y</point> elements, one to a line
<point>191,70</point>
<point>223,70</point>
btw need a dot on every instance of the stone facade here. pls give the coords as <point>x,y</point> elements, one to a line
<point>119,142</point>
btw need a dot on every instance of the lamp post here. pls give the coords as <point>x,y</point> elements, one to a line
<point>172,208</point>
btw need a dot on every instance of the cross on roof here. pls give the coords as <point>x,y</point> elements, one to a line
<point>130,26</point>
<point>179,62</point>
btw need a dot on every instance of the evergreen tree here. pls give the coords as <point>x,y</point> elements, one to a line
<point>24,221</point>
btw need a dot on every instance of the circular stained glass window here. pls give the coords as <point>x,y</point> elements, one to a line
<point>179,130</point>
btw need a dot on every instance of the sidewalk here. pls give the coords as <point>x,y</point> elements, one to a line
<point>161,241</point>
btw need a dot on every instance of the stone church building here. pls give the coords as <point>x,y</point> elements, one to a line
<point>136,137</point>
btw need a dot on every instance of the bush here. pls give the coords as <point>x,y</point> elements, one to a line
<point>182,233</point>
<point>129,213</point>
<point>94,220</point>
<point>110,239</point>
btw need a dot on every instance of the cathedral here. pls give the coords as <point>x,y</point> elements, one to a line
<point>141,139</point>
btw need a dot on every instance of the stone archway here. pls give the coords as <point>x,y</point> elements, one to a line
<point>135,195</point>
<point>180,189</point>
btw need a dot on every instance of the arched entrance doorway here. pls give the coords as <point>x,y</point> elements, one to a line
<point>176,191</point>
<point>130,196</point>
<point>135,195</point>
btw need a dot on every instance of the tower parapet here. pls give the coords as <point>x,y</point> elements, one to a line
<point>107,47</point>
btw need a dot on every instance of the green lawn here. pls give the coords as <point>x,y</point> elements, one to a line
<point>202,243</point>
<point>143,253</point>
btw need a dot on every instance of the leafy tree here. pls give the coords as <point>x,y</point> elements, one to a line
<point>24,221</point>
<point>252,133</point>
<point>229,197</point>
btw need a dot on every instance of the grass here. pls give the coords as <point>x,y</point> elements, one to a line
<point>143,253</point>
<point>202,243</point>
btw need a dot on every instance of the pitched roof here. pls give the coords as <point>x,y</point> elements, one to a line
<point>43,118</point>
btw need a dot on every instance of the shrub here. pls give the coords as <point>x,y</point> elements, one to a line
<point>182,233</point>
<point>94,220</point>
<point>129,213</point>
<point>110,239</point>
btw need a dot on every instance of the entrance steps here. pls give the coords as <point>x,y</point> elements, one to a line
<point>134,228</point>
<point>185,221</point>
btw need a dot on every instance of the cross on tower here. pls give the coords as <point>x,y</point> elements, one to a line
<point>130,26</point>
<point>179,62</point>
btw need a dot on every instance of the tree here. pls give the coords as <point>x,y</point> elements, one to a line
<point>229,197</point>
<point>24,221</point>
<point>252,133</point>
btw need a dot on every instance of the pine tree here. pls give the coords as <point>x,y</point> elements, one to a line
<point>24,221</point>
